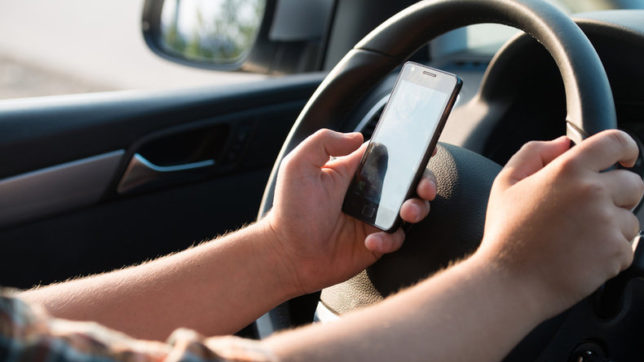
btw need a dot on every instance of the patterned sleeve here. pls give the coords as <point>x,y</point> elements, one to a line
<point>27,333</point>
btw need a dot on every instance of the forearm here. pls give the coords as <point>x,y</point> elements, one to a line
<point>215,288</point>
<point>469,312</point>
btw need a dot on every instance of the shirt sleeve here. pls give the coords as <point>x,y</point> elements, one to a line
<point>27,333</point>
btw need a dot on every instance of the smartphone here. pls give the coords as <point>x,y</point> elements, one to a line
<point>401,145</point>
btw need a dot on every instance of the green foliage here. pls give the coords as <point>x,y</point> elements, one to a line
<point>221,34</point>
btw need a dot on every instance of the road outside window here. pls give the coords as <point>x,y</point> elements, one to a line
<point>78,46</point>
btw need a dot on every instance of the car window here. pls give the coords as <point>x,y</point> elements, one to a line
<point>77,46</point>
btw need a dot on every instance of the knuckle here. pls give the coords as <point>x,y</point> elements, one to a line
<point>620,138</point>
<point>288,163</point>
<point>568,166</point>
<point>531,147</point>
<point>634,180</point>
<point>630,185</point>
<point>591,189</point>
<point>503,174</point>
<point>322,133</point>
<point>635,187</point>
<point>605,217</point>
<point>635,222</point>
<point>501,180</point>
<point>627,227</point>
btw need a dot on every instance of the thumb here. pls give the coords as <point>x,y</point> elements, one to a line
<point>316,149</point>
<point>532,157</point>
<point>348,165</point>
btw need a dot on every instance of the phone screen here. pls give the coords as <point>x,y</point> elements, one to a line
<point>399,145</point>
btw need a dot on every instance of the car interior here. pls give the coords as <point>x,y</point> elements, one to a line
<point>94,182</point>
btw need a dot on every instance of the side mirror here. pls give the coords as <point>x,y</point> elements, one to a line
<point>209,33</point>
<point>266,36</point>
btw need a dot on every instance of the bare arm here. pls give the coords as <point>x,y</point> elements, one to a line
<point>469,312</point>
<point>552,213</point>
<point>304,244</point>
<point>532,263</point>
<point>215,288</point>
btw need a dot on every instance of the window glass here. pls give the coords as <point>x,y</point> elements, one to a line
<point>51,47</point>
<point>489,37</point>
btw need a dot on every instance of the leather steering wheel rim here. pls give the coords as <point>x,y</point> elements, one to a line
<point>589,100</point>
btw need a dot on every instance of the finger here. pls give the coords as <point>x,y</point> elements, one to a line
<point>317,148</point>
<point>625,187</point>
<point>347,165</point>
<point>630,229</point>
<point>532,157</point>
<point>383,243</point>
<point>414,210</point>
<point>427,188</point>
<point>628,223</point>
<point>605,149</point>
<point>627,258</point>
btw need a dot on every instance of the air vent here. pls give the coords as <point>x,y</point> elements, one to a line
<point>368,123</point>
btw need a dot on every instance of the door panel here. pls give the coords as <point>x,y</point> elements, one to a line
<point>238,131</point>
<point>56,189</point>
<point>41,132</point>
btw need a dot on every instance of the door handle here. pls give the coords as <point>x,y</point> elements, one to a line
<point>140,171</point>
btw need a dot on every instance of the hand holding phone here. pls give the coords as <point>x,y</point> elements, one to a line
<point>401,145</point>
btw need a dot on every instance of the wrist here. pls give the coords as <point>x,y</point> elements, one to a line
<point>280,266</point>
<point>519,289</point>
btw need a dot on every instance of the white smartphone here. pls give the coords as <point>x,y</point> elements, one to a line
<point>401,145</point>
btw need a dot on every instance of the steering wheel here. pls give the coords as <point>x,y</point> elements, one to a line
<point>464,178</point>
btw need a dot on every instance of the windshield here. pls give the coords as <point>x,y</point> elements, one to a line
<point>488,38</point>
<point>576,6</point>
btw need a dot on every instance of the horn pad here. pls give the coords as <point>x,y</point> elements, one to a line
<point>452,230</point>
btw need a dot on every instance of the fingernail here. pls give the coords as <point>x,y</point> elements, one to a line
<point>373,242</point>
<point>417,213</point>
<point>432,185</point>
<point>432,182</point>
<point>370,242</point>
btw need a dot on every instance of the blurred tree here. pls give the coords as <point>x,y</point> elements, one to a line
<point>221,33</point>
